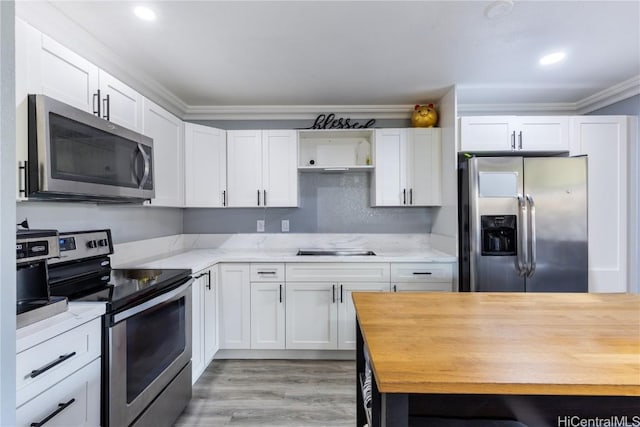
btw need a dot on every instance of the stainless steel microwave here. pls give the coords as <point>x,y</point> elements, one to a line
<point>74,155</point>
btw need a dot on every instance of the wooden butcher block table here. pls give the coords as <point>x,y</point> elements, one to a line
<point>535,358</point>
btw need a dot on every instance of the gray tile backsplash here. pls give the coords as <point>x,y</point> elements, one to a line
<point>329,203</point>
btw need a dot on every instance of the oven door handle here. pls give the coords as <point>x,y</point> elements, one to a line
<point>168,296</point>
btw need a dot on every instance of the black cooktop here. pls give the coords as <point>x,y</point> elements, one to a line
<point>123,287</point>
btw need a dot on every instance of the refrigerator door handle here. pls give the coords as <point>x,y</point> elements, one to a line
<point>532,236</point>
<point>522,237</point>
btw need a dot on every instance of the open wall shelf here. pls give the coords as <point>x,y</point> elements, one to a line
<point>335,150</point>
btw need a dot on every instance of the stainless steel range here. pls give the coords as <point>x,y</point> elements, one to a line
<point>147,329</point>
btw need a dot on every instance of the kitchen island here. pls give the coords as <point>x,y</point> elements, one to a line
<point>535,358</point>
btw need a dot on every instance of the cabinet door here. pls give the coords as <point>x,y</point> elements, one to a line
<point>210,316</point>
<point>79,393</point>
<point>311,316</point>
<point>542,133</point>
<point>267,316</point>
<point>390,185</point>
<point>279,168</point>
<point>167,132</point>
<point>244,168</point>
<point>235,306</point>
<point>424,164</point>
<point>347,312</point>
<point>64,75</point>
<point>487,133</point>
<point>124,105</point>
<point>205,166</point>
<point>604,140</point>
<point>197,333</point>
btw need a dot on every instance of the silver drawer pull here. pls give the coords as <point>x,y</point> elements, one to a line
<point>50,365</point>
<point>266,272</point>
<point>426,273</point>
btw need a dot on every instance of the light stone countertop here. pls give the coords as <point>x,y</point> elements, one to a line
<point>199,259</point>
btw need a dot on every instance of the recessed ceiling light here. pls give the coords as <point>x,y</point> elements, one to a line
<point>145,13</point>
<point>498,8</point>
<point>552,58</point>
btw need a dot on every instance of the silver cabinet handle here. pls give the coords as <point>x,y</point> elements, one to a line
<point>513,140</point>
<point>520,141</point>
<point>522,237</point>
<point>96,103</point>
<point>224,197</point>
<point>266,272</point>
<point>404,196</point>
<point>106,104</point>
<point>280,293</point>
<point>532,236</point>
<point>411,196</point>
<point>258,197</point>
<point>264,197</point>
<point>333,294</point>
<point>341,299</point>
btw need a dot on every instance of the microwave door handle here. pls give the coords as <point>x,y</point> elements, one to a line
<point>147,166</point>
<point>532,236</point>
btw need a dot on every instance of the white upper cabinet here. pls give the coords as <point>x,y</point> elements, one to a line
<point>46,67</point>
<point>279,169</point>
<point>119,103</point>
<point>205,166</point>
<point>606,140</point>
<point>64,75</point>
<point>244,168</point>
<point>514,133</point>
<point>167,132</point>
<point>261,168</point>
<point>408,167</point>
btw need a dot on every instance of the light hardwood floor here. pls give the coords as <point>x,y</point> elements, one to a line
<point>273,393</point>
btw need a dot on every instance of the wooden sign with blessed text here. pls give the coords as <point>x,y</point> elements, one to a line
<point>330,121</point>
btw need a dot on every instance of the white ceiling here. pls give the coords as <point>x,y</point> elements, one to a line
<point>305,53</point>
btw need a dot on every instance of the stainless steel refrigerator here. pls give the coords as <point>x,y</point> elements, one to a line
<point>523,224</point>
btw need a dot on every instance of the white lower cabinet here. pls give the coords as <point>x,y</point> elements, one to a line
<point>74,401</point>
<point>347,312</point>
<point>312,314</point>
<point>267,316</point>
<point>235,306</point>
<point>58,379</point>
<point>204,343</point>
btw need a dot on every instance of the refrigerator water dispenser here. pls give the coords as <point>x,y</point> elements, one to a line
<point>499,235</point>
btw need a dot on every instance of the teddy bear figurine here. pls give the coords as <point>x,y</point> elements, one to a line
<point>424,116</point>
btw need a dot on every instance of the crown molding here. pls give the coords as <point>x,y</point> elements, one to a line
<point>604,98</point>
<point>560,108</point>
<point>296,112</point>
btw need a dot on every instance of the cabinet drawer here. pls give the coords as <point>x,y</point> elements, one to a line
<point>421,287</point>
<point>334,272</point>
<point>83,387</point>
<point>83,340</point>
<point>421,272</point>
<point>267,272</point>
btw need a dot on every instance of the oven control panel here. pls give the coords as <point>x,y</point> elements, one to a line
<point>84,244</point>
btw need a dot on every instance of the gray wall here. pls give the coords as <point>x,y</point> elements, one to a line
<point>329,203</point>
<point>295,124</point>
<point>127,222</point>
<point>630,107</point>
